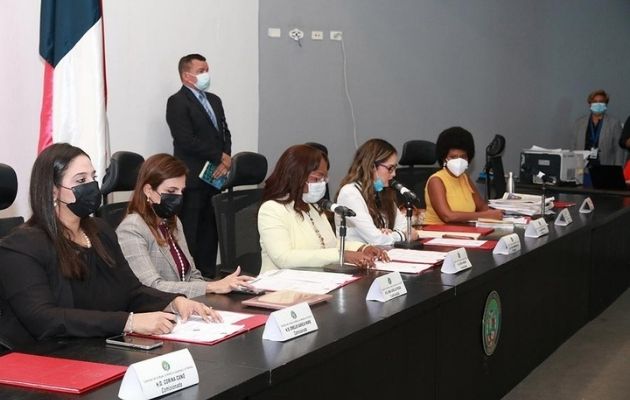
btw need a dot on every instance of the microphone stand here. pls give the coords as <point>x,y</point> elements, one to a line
<point>408,244</point>
<point>342,240</point>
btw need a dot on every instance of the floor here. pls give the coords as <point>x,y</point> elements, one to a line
<point>594,364</point>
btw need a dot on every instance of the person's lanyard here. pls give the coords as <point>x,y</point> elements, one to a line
<point>594,131</point>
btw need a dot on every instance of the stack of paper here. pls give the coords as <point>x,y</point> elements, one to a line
<point>410,261</point>
<point>301,281</point>
<point>522,204</point>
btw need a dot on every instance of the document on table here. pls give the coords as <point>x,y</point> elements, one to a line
<point>456,242</point>
<point>301,281</point>
<point>416,256</point>
<point>422,234</point>
<point>196,330</point>
<point>402,267</point>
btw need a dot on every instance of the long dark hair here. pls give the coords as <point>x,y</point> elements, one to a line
<point>286,182</point>
<point>48,171</point>
<point>366,160</point>
<point>155,170</point>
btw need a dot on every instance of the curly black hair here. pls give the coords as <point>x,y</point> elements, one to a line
<point>455,137</point>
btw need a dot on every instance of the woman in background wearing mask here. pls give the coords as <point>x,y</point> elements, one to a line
<point>151,235</point>
<point>450,195</point>
<point>599,132</point>
<point>294,231</point>
<point>365,190</point>
<point>63,273</point>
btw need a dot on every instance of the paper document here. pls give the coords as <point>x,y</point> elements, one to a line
<point>522,204</point>
<point>198,330</point>
<point>301,281</point>
<point>401,267</point>
<point>456,242</point>
<point>437,234</point>
<point>416,256</point>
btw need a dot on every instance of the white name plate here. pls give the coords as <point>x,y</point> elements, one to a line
<point>456,261</point>
<point>587,206</point>
<point>289,323</point>
<point>536,228</point>
<point>508,244</point>
<point>386,287</point>
<point>563,218</point>
<point>159,376</point>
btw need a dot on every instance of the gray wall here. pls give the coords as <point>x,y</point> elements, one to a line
<point>415,67</point>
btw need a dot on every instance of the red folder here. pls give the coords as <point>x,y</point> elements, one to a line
<point>457,228</point>
<point>56,374</point>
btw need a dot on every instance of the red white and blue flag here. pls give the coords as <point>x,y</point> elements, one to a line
<point>75,92</point>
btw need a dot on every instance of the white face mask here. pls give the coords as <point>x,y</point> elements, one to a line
<point>316,191</point>
<point>457,166</point>
<point>203,81</point>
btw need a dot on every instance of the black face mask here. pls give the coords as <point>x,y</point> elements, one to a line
<point>170,204</point>
<point>87,199</point>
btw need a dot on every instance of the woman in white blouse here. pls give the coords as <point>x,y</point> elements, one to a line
<point>294,231</point>
<point>365,190</point>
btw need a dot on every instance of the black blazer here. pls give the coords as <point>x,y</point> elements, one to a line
<point>195,139</point>
<point>36,301</point>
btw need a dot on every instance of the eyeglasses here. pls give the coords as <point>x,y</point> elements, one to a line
<point>390,168</point>
<point>317,179</point>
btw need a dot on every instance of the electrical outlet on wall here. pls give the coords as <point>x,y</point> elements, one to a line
<point>317,35</point>
<point>336,35</point>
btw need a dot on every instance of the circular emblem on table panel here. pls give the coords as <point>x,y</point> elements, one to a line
<point>166,366</point>
<point>293,315</point>
<point>491,323</point>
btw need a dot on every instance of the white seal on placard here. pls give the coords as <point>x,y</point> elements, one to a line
<point>587,206</point>
<point>386,287</point>
<point>290,323</point>
<point>456,261</point>
<point>508,244</point>
<point>563,218</point>
<point>159,376</point>
<point>537,228</point>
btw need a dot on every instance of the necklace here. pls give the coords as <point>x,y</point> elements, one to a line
<point>171,243</point>
<point>88,242</point>
<point>319,235</point>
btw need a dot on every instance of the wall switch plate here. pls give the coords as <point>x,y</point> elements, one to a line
<point>317,35</point>
<point>274,32</point>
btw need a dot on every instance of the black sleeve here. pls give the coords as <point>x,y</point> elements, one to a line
<point>625,135</point>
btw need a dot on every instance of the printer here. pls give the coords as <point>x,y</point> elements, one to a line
<point>564,166</point>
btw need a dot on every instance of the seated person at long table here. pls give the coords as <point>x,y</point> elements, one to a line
<point>449,194</point>
<point>294,230</point>
<point>63,273</point>
<point>151,235</point>
<point>365,190</point>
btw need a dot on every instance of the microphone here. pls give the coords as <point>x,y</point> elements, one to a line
<point>336,208</point>
<point>403,190</point>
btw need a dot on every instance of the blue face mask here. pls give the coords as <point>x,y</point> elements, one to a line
<point>378,185</point>
<point>598,108</point>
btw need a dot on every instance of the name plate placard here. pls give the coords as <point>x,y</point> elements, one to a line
<point>290,323</point>
<point>587,206</point>
<point>159,376</point>
<point>456,261</point>
<point>386,287</point>
<point>508,244</point>
<point>563,218</point>
<point>537,228</point>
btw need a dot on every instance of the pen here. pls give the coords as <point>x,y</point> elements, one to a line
<point>457,237</point>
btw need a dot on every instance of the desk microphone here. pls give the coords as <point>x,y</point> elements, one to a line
<point>408,194</point>
<point>336,208</point>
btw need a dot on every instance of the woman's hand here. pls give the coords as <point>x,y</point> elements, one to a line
<point>229,283</point>
<point>185,308</point>
<point>152,323</point>
<point>359,259</point>
<point>492,214</point>
<point>376,253</point>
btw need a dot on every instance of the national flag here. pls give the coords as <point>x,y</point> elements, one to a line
<point>71,43</point>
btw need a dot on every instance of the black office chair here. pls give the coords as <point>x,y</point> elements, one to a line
<point>495,176</point>
<point>236,215</point>
<point>8,191</point>
<point>120,176</point>
<point>417,163</point>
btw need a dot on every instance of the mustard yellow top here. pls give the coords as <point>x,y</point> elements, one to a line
<point>459,195</point>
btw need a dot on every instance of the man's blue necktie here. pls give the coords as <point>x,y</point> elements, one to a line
<point>206,105</point>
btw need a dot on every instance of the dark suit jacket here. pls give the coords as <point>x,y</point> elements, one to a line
<point>36,301</point>
<point>195,139</point>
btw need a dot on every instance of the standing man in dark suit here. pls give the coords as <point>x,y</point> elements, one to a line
<point>200,133</point>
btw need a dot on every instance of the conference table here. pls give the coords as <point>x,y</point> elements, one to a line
<point>427,343</point>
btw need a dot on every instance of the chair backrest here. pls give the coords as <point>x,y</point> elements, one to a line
<point>417,163</point>
<point>120,176</point>
<point>236,214</point>
<point>497,177</point>
<point>8,192</point>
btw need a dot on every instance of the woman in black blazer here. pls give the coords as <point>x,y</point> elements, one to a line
<point>63,273</point>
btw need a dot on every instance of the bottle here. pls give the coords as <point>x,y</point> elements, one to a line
<point>510,183</point>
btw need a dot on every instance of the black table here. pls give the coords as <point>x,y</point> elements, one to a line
<point>426,344</point>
